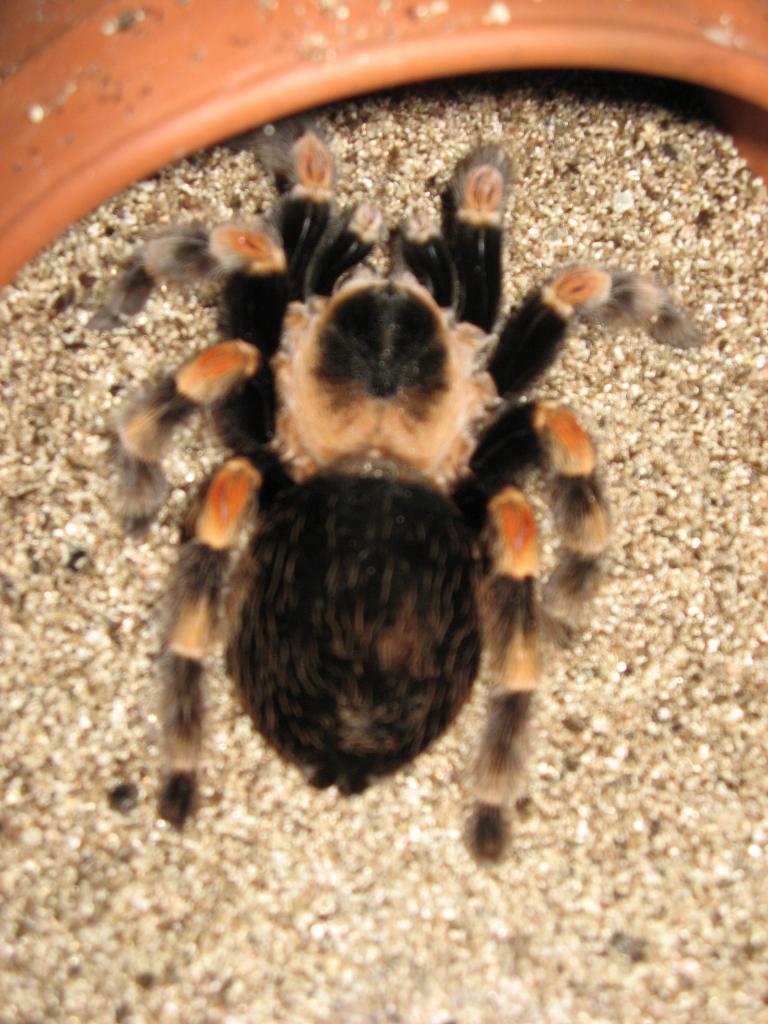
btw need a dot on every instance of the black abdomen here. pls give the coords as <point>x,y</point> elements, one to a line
<point>358,639</point>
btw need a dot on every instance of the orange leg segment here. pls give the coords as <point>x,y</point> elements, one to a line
<point>226,504</point>
<point>211,374</point>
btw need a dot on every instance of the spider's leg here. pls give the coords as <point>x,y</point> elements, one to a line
<point>347,241</point>
<point>548,434</point>
<point>580,511</point>
<point>532,337</point>
<point>512,644</point>
<point>196,594</point>
<point>145,425</point>
<point>507,448</point>
<point>422,248</point>
<point>256,292</point>
<point>475,231</point>
<point>185,252</point>
<point>302,163</point>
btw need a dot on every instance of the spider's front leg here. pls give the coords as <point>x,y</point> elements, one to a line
<point>320,244</point>
<point>195,595</point>
<point>462,267</point>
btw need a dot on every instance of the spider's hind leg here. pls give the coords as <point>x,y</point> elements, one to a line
<point>512,644</point>
<point>196,594</point>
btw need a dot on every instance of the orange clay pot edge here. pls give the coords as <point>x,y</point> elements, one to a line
<point>33,219</point>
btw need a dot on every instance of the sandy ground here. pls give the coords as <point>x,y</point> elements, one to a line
<point>636,889</point>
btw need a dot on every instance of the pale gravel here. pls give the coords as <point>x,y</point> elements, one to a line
<point>636,889</point>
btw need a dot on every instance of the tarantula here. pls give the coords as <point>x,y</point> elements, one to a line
<point>378,444</point>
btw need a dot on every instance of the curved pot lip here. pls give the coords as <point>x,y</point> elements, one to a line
<point>106,102</point>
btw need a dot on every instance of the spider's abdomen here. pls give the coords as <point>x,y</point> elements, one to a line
<point>358,637</point>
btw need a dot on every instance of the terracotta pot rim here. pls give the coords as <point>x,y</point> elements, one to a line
<point>71,181</point>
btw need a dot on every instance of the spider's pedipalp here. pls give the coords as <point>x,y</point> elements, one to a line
<point>534,334</point>
<point>347,242</point>
<point>195,596</point>
<point>477,200</point>
<point>423,250</point>
<point>512,645</point>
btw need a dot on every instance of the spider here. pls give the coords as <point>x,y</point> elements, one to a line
<point>378,443</point>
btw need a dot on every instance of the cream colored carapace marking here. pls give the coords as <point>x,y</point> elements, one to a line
<point>314,429</point>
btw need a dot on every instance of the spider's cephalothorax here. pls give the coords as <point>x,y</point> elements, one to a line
<point>376,422</point>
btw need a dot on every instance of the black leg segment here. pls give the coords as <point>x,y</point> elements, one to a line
<point>424,251</point>
<point>477,202</point>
